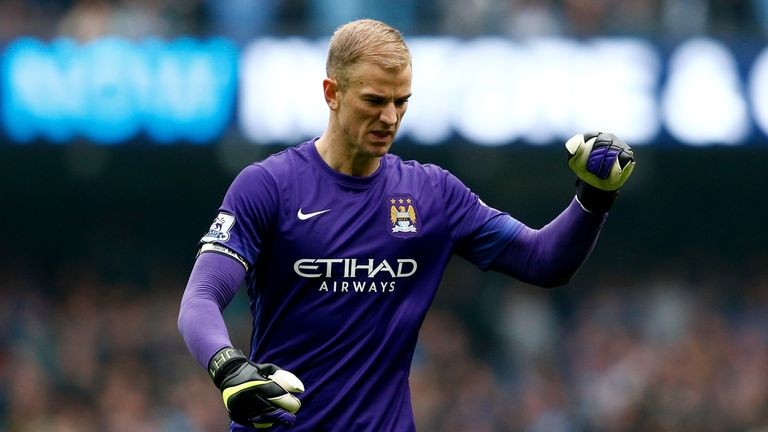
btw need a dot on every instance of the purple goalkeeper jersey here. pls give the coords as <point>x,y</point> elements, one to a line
<point>341,273</point>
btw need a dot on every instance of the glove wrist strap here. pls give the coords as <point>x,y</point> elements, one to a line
<point>593,199</point>
<point>224,360</point>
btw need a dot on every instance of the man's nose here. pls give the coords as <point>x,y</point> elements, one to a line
<point>389,114</point>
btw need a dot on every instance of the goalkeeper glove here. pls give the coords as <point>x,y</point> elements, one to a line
<point>602,163</point>
<point>256,395</point>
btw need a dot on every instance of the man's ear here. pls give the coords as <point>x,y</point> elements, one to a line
<point>331,93</point>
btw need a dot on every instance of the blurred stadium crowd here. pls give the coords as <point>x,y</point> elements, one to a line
<point>83,353</point>
<point>242,20</point>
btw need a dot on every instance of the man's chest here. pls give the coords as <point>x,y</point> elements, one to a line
<point>382,221</point>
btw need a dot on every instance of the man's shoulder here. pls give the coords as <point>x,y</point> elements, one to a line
<point>416,168</point>
<point>285,161</point>
<point>273,169</point>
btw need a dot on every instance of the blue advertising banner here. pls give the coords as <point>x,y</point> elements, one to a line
<point>110,90</point>
<point>488,91</point>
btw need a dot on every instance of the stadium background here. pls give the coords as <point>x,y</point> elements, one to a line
<point>664,329</point>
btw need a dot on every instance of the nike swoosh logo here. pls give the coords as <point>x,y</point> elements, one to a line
<point>305,216</point>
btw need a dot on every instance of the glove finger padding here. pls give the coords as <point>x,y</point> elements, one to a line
<point>287,402</point>
<point>255,395</point>
<point>278,416</point>
<point>600,159</point>
<point>250,393</point>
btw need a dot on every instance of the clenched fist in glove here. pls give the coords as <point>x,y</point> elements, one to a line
<point>256,395</point>
<point>602,162</point>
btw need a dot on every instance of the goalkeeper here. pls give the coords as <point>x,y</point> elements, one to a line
<point>342,246</point>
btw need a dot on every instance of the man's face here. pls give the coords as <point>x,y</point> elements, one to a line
<point>371,107</point>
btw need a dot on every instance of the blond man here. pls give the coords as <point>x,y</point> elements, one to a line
<point>343,244</point>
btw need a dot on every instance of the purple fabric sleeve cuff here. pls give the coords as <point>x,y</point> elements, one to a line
<point>550,256</point>
<point>213,283</point>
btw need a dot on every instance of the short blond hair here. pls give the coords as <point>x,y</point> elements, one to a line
<point>365,40</point>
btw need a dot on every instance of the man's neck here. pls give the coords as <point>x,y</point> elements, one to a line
<point>340,159</point>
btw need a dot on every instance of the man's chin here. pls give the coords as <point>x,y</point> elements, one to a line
<point>379,147</point>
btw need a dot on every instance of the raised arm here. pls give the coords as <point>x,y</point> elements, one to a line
<point>552,255</point>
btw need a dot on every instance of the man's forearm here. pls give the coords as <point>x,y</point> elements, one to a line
<point>212,284</point>
<point>550,256</point>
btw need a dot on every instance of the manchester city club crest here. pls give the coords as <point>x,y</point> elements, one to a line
<point>404,221</point>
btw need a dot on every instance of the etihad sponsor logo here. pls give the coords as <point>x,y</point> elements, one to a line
<point>357,287</point>
<point>353,268</point>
